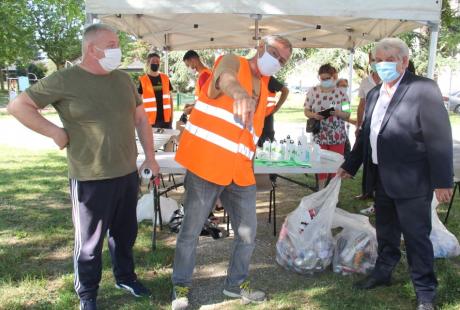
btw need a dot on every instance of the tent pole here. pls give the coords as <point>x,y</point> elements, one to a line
<point>434,29</point>
<point>89,19</point>
<point>256,18</point>
<point>350,72</point>
<point>166,62</point>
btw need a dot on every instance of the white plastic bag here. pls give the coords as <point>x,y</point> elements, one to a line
<point>356,244</point>
<point>145,208</point>
<point>445,244</point>
<point>305,244</point>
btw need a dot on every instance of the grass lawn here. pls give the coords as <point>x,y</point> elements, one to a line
<point>36,244</point>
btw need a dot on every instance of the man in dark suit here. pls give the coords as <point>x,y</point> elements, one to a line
<point>406,149</point>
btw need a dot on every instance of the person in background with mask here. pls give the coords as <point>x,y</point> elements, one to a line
<point>194,65</point>
<point>97,106</point>
<point>217,148</point>
<point>342,83</point>
<point>156,89</point>
<point>405,146</point>
<point>332,134</point>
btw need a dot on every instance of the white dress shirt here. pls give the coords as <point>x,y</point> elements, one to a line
<point>380,109</point>
<point>366,85</point>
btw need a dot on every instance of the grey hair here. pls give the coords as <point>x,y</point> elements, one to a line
<point>92,30</point>
<point>277,38</point>
<point>388,44</point>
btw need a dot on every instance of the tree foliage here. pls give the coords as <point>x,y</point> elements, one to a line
<point>58,25</point>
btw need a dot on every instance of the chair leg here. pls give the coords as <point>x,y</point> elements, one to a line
<point>228,223</point>
<point>274,212</point>
<point>270,207</point>
<point>457,186</point>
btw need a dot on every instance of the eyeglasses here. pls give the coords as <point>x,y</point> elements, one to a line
<point>274,52</point>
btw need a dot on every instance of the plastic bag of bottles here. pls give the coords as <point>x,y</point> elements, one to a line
<point>445,244</point>
<point>305,244</point>
<point>356,244</point>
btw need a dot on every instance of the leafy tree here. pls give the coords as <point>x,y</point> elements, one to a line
<point>16,37</point>
<point>58,25</point>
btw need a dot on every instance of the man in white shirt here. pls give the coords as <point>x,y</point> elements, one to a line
<point>405,146</point>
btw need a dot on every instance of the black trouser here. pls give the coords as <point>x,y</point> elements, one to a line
<point>268,132</point>
<point>412,218</point>
<point>99,207</point>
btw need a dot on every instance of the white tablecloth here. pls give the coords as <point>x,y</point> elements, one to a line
<point>329,163</point>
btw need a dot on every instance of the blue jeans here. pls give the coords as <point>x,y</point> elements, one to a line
<point>200,197</point>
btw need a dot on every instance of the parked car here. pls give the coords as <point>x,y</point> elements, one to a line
<point>452,102</point>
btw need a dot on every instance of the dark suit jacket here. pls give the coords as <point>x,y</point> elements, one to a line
<point>414,146</point>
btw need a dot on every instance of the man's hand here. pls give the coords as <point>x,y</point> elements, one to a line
<point>150,164</point>
<point>244,108</point>
<point>60,137</point>
<point>343,174</point>
<point>188,108</point>
<point>443,194</point>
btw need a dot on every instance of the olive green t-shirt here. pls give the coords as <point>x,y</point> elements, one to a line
<point>98,114</point>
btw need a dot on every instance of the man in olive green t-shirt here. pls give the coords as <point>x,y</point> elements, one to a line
<point>100,111</point>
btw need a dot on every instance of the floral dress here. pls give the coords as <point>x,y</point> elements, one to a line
<point>332,129</point>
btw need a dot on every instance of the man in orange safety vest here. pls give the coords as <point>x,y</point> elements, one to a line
<point>217,148</point>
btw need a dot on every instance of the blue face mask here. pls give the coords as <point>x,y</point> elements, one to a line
<point>327,83</point>
<point>373,67</point>
<point>387,71</point>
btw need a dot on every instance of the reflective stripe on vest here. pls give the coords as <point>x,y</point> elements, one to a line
<point>214,145</point>
<point>219,140</point>
<point>271,102</point>
<point>223,115</point>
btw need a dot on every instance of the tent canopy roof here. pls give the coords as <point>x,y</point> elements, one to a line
<point>194,24</point>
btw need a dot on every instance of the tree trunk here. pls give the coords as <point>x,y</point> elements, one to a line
<point>2,77</point>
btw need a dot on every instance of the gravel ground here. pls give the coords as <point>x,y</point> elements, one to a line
<point>213,255</point>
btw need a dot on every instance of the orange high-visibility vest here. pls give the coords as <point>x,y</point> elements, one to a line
<point>271,102</point>
<point>197,84</point>
<point>214,145</point>
<point>150,101</point>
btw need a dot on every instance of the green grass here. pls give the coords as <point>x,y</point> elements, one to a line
<point>3,98</point>
<point>36,242</point>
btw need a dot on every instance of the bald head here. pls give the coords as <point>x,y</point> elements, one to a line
<point>93,34</point>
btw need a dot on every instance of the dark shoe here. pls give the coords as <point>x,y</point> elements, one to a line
<point>88,304</point>
<point>425,306</point>
<point>134,287</point>
<point>370,282</point>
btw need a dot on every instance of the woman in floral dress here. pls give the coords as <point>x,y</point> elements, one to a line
<point>332,134</point>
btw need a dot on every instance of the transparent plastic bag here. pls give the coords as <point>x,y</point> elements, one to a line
<point>445,244</point>
<point>305,244</point>
<point>144,209</point>
<point>356,244</point>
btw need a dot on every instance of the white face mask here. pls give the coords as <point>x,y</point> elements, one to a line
<point>191,71</point>
<point>267,64</point>
<point>112,59</point>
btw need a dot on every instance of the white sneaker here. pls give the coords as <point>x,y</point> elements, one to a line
<point>368,211</point>
<point>246,294</point>
<point>180,298</point>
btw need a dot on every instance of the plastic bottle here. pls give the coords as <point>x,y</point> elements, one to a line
<point>292,150</point>
<point>275,151</point>
<point>315,153</point>
<point>282,147</point>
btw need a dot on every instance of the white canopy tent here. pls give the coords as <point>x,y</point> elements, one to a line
<point>194,24</point>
